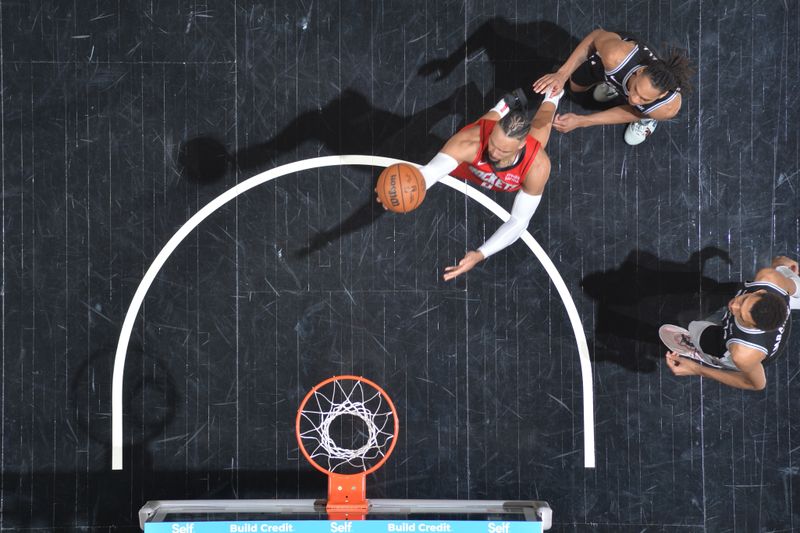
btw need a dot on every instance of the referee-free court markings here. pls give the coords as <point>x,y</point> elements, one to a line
<point>320,162</point>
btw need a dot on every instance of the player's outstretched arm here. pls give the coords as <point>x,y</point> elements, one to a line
<point>751,374</point>
<point>622,114</point>
<point>542,122</point>
<point>525,204</point>
<point>463,146</point>
<point>556,81</point>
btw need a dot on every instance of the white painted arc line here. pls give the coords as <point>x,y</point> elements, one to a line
<point>158,262</point>
<point>307,164</point>
<point>569,304</point>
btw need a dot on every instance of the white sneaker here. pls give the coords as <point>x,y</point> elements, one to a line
<point>638,132</point>
<point>678,340</point>
<point>604,92</point>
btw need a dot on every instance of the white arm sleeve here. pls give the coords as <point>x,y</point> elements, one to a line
<point>787,272</point>
<point>440,166</point>
<point>524,207</point>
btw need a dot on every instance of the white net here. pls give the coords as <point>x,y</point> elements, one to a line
<point>346,426</point>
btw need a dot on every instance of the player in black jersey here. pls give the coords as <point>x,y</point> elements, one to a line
<point>733,345</point>
<point>619,64</point>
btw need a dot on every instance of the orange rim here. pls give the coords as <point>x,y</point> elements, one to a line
<point>341,378</point>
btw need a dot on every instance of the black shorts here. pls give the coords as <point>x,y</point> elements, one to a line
<point>591,72</point>
<point>712,341</point>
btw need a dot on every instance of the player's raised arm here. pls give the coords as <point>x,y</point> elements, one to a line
<point>750,375</point>
<point>553,83</point>
<point>525,204</point>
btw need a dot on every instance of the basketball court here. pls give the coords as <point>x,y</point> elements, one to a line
<point>210,324</point>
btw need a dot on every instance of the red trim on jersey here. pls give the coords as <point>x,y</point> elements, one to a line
<point>481,172</point>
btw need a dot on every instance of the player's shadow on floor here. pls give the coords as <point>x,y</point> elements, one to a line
<point>519,52</point>
<point>349,124</point>
<point>643,293</point>
<point>113,498</point>
<point>151,403</point>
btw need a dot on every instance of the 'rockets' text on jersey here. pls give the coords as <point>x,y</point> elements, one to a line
<point>481,172</point>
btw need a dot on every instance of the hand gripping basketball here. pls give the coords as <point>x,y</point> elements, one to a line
<point>401,188</point>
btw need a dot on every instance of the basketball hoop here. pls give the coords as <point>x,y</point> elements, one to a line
<point>346,428</point>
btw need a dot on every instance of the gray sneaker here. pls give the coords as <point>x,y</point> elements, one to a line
<point>638,132</point>
<point>604,92</point>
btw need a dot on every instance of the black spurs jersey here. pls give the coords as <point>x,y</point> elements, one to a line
<point>637,59</point>
<point>768,342</point>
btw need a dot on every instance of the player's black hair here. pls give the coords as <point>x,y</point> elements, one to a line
<point>769,312</point>
<point>516,124</point>
<point>671,74</point>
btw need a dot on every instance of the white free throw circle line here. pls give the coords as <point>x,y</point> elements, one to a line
<point>329,161</point>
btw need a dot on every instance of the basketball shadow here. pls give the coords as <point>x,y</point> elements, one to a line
<point>519,52</point>
<point>643,293</point>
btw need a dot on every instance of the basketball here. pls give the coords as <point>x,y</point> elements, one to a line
<point>401,188</point>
